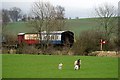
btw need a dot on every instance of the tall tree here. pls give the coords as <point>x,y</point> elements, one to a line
<point>47,17</point>
<point>60,20</point>
<point>108,21</point>
<point>107,18</point>
<point>15,13</point>
<point>118,34</point>
<point>5,21</point>
<point>6,36</point>
<point>5,17</point>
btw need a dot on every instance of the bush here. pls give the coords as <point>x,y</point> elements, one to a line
<point>26,49</point>
<point>87,42</point>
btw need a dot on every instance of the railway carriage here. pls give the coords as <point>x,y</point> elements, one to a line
<point>53,37</point>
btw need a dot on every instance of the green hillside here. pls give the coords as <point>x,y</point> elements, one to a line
<point>17,27</point>
<point>75,25</point>
<point>78,25</point>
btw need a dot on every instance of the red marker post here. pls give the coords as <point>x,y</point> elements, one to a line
<point>101,44</point>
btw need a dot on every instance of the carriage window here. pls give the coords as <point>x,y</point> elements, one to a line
<point>31,36</point>
<point>56,37</point>
<point>50,37</point>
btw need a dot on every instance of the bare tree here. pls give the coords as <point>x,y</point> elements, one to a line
<point>47,18</point>
<point>44,14</point>
<point>5,17</point>
<point>15,13</point>
<point>5,21</point>
<point>60,20</point>
<point>118,31</point>
<point>107,19</point>
<point>38,9</point>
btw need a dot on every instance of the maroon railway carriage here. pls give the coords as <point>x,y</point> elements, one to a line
<point>55,37</point>
<point>28,38</point>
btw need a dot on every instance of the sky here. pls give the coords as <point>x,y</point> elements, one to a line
<point>73,8</point>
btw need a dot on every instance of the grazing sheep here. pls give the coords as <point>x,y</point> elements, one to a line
<point>60,66</point>
<point>77,64</point>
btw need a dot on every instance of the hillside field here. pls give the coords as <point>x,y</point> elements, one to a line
<point>46,66</point>
<point>75,25</point>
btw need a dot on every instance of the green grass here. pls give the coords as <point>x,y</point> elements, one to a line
<point>46,66</point>
<point>79,25</point>
<point>17,27</point>
<point>75,25</point>
<point>0,66</point>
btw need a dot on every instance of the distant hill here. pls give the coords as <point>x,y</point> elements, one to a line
<point>75,25</point>
<point>79,25</point>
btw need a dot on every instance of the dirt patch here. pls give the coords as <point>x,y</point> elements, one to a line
<point>106,53</point>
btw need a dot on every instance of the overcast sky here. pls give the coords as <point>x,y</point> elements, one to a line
<point>73,8</point>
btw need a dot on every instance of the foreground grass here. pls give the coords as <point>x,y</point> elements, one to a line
<point>0,66</point>
<point>46,66</point>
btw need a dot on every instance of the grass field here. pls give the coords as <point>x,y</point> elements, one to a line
<point>79,25</point>
<point>75,25</point>
<point>16,27</point>
<point>0,66</point>
<point>46,66</point>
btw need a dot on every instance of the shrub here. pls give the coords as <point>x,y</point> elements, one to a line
<point>87,42</point>
<point>26,49</point>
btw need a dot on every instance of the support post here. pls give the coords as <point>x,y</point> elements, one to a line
<point>101,45</point>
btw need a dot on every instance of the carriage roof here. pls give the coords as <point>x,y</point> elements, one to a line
<point>44,32</point>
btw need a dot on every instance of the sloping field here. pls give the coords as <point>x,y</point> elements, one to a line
<point>79,25</point>
<point>16,27</point>
<point>46,66</point>
<point>75,25</point>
